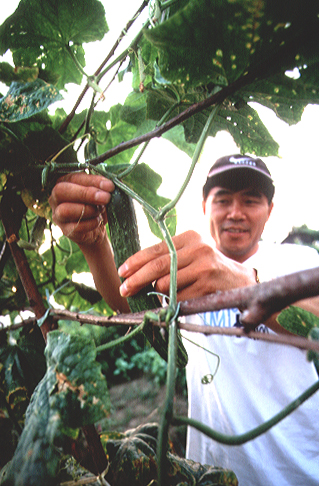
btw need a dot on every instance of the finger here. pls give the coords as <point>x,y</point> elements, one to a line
<point>143,257</point>
<point>73,212</point>
<point>158,269</point>
<point>81,230</point>
<point>84,179</point>
<point>65,192</point>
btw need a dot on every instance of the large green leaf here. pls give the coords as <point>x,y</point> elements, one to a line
<point>236,117</point>
<point>39,33</point>
<point>24,100</point>
<point>217,40</point>
<point>214,42</point>
<point>72,393</point>
<point>287,97</point>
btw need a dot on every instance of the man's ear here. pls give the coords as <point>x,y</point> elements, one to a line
<point>204,206</point>
<point>271,205</point>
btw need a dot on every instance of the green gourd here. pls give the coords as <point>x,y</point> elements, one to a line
<point>125,242</point>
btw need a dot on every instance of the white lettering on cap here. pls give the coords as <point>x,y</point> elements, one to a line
<point>242,161</point>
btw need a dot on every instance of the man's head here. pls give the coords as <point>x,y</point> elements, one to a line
<point>237,199</point>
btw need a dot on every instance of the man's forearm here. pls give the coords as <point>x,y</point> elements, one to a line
<point>101,263</point>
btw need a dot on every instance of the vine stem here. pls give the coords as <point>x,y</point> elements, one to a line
<point>235,440</point>
<point>100,170</point>
<point>173,265</point>
<point>137,318</point>
<point>198,150</point>
<point>145,144</point>
<point>120,340</point>
<point>167,413</point>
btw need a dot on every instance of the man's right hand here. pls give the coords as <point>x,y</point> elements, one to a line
<point>201,269</point>
<point>78,203</point>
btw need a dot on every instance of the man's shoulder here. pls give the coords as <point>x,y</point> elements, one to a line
<point>275,259</point>
<point>288,249</point>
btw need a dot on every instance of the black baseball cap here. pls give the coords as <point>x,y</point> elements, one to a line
<point>237,172</point>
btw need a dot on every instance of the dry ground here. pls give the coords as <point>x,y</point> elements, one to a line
<point>139,402</point>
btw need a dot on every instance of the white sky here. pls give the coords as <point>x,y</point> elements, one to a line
<point>295,172</point>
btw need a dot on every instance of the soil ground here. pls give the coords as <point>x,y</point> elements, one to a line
<point>139,402</point>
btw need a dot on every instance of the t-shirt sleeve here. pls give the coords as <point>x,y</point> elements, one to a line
<point>276,260</point>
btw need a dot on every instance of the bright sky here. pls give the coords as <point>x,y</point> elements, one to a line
<point>295,172</point>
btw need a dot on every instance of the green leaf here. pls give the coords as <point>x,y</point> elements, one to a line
<point>287,97</point>
<point>145,182</point>
<point>177,136</point>
<point>39,32</point>
<point>24,100</point>
<point>314,355</point>
<point>217,41</point>
<point>297,320</point>
<point>235,116</point>
<point>72,393</point>
<point>182,41</point>
<point>245,126</point>
<point>108,130</point>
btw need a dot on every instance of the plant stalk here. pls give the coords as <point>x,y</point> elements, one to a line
<point>196,155</point>
<point>235,440</point>
<point>167,413</point>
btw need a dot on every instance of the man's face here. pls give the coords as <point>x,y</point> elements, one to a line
<point>237,220</point>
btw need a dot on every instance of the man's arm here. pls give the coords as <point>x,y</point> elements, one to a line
<point>78,203</point>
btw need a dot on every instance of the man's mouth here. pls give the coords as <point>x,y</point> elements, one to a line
<point>235,230</point>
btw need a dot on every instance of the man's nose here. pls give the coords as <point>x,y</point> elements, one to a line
<point>236,211</point>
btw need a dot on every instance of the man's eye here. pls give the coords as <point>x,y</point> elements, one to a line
<point>222,201</point>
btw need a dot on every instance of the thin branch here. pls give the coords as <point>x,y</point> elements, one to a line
<point>260,301</point>
<point>137,318</point>
<point>68,119</point>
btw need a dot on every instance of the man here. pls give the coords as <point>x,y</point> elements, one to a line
<point>254,380</point>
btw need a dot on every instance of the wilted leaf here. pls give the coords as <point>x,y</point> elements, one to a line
<point>72,393</point>
<point>22,366</point>
<point>8,74</point>
<point>24,100</point>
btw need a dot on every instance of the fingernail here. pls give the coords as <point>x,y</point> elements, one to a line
<point>107,185</point>
<point>123,290</point>
<point>101,197</point>
<point>122,271</point>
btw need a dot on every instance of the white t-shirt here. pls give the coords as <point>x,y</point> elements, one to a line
<point>255,380</point>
